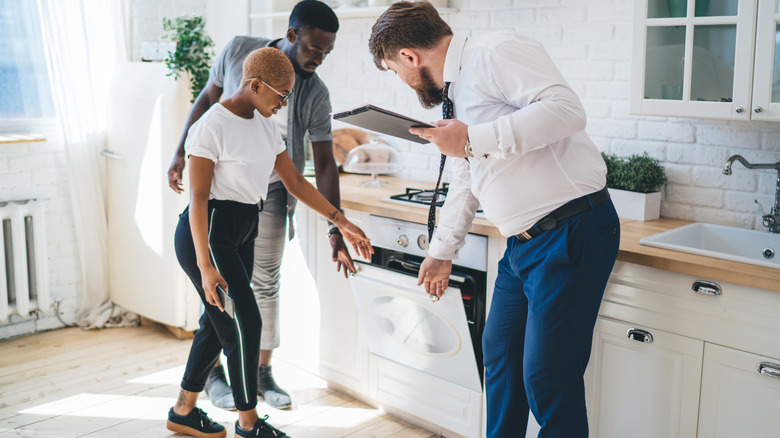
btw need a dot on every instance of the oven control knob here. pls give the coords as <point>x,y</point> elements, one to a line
<point>422,242</point>
<point>403,240</point>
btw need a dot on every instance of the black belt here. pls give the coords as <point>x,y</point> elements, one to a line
<point>567,210</point>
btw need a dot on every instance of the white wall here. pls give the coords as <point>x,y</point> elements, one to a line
<point>224,19</point>
<point>39,171</point>
<point>590,41</point>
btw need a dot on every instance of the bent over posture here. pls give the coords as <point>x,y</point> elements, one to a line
<point>514,132</point>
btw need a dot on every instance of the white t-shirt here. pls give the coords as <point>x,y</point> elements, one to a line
<point>243,151</point>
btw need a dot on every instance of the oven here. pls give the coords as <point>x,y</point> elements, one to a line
<point>424,352</point>
<point>423,328</point>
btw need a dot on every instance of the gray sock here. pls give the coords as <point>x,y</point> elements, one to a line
<point>274,396</point>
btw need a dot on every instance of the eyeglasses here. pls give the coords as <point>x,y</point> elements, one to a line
<point>283,96</point>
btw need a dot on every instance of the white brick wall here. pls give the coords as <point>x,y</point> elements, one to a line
<point>39,171</point>
<point>594,54</point>
<point>591,44</point>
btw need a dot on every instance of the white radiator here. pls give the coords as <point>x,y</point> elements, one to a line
<point>24,283</point>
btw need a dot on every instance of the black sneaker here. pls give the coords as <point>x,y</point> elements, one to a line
<point>218,390</point>
<point>261,429</point>
<point>196,424</point>
<point>274,396</point>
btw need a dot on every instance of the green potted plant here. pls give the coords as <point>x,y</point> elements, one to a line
<point>634,184</point>
<point>193,50</point>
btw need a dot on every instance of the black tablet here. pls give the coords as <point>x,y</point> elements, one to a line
<point>383,121</point>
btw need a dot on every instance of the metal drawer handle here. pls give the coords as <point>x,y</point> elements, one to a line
<point>639,335</point>
<point>770,369</point>
<point>706,288</point>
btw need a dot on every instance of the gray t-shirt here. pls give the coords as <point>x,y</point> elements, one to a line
<point>308,108</point>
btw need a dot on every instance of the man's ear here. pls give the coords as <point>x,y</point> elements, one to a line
<point>291,35</point>
<point>409,57</point>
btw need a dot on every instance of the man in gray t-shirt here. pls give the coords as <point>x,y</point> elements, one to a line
<point>309,39</point>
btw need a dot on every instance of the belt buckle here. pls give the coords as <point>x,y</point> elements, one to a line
<point>547,223</point>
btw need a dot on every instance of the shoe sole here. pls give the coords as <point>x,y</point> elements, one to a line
<point>186,430</point>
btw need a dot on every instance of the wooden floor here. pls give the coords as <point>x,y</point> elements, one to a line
<point>120,382</point>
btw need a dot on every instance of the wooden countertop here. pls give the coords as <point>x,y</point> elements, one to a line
<point>369,200</point>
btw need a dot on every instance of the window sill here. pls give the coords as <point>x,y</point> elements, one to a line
<point>20,137</point>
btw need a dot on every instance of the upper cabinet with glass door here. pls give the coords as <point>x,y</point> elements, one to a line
<point>695,58</point>
<point>766,79</point>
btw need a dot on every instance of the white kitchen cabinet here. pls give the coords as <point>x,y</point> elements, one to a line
<point>343,351</point>
<point>647,386</point>
<point>706,59</point>
<point>699,377</point>
<point>739,394</point>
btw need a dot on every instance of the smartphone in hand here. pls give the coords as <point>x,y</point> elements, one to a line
<point>227,302</point>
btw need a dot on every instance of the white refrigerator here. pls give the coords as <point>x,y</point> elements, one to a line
<point>146,117</point>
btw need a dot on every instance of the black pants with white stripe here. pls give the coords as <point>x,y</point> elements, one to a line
<point>232,232</point>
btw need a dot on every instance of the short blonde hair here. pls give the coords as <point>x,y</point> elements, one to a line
<point>269,65</point>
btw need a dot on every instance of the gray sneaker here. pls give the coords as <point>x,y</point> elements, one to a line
<point>218,390</point>
<point>275,396</point>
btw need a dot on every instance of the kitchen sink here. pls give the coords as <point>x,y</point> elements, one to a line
<point>729,243</point>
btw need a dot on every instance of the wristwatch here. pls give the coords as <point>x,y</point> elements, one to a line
<point>467,148</point>
<point>333,229</point>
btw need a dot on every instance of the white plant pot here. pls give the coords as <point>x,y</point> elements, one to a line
<point>636,206</point>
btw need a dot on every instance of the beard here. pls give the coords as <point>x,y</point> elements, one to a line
<point>296,65</point>
<point>427,92</point>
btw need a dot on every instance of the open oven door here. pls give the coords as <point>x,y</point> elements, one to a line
<point>401,324</point>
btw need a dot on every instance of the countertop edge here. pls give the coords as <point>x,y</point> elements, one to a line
<point>631,251</point>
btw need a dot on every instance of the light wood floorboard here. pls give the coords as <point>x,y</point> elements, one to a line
<point>120,382</point>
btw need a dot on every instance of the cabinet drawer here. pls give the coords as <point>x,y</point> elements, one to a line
<point>740,317</point>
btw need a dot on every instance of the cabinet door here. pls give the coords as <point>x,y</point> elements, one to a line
<point>647,386</point>
<point>766,82</point>
<point>693,58</point>
<point>343,351</point>
<point>739,394</point>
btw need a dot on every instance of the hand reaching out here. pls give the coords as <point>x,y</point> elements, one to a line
<point>340,255</point>
<point>434,275</point>
<point>357,238</point>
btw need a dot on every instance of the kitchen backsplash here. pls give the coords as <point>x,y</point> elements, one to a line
<point>591,44</point>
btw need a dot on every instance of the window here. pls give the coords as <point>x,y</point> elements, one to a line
<point>25,91</point>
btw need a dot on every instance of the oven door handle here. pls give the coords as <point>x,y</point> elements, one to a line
<point>413,268</point>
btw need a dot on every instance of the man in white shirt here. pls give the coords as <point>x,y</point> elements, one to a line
<point>517,146</point>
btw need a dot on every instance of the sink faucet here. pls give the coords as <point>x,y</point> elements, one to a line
<point>771,220</point>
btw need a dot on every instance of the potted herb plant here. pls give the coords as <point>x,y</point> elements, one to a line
<point>193,50</point>
<point>634,184</point>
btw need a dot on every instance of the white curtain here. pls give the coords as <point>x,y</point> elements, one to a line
<point>85,40</point>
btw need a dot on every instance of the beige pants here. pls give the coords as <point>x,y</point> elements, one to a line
<point>269,249</point>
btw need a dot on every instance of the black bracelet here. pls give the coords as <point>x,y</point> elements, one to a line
<point>333,229</point>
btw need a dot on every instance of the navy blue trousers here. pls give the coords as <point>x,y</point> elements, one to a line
<point>232,232</point>
<point>539,332</point>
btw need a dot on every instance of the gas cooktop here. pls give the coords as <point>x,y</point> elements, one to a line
<point>422,198</point>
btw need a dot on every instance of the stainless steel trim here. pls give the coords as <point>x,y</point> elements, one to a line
<point>769,369</point>
<point>706,287</point>
<point>640,335</point>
